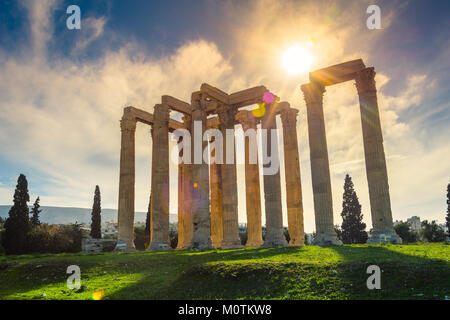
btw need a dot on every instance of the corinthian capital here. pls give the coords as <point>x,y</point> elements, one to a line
<point>313,92</point>
<point>128,122</point>
<point>365,80</point>
<point>289,117</point>
<point>226,116</point>
<point>246,119</point>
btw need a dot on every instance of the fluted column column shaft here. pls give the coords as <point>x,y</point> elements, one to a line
<point>252,188</point>
<point>160,180</point>
<point>229,184</point>
<point>292,176</point>
<point>215,176</point>
<point>320,167</point>
<point>185,186</point>
<point>272,188</point>
<point>200,180</point>
<point>377,178</point>
<point>127,182</point>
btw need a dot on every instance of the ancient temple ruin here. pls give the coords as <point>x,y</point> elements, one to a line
<point>207,191</point>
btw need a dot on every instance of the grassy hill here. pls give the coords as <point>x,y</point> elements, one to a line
<point>408,272</point>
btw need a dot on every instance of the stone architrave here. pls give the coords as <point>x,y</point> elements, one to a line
<point>200,179</point>
<point>377,178</point>
<point>231,239</point>
<point>272,187</point>
<point>252,188</point>
<point>320,168</point>
<point>293,180</point>
<point>127,183</point>
<point>160,180</point>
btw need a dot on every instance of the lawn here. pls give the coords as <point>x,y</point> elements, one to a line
<point>419,271</point>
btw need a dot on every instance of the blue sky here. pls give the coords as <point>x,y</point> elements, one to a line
<point>63,90</point>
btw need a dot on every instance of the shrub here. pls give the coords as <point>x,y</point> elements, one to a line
<point>54,239</point>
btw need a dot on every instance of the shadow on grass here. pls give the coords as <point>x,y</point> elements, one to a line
<point>403,276</point>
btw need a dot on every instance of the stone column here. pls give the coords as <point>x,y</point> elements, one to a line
<point>215,176</point>
<point>200,177</point>
<point>185,225</point>
<point>160,179</point>
<point>293,180</point>
<point>231,239</point>
<point>320,168</point>
<point>272,188</point>
<point>377,178</point>
<point>127,182</point>
<point>252,190</point>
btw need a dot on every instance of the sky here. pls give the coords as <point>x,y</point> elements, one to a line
<point>63,91</point>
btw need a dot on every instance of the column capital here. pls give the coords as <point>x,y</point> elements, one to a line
<point>128,123</point>
<point>161,113</point>
<point>246,119</point>
<point>313,92</point>
<point>365,80</point>
<point>289,117</point>
<point>226,116</point>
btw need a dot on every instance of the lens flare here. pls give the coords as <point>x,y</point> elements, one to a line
<point>98,295</point>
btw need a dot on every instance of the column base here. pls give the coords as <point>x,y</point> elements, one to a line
<point>124,246</point>
<point>159,246</point>
<point>231,244</point>
<point>273,243</point>
<point>296,243</point>
<point>384,236</point>
<point>254,244</point>
<point>326,239</point>
<point>200,245</point>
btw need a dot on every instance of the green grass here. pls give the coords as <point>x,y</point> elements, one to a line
<point>408,272</point>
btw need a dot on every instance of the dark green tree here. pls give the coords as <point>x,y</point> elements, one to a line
<point>96,224</point>
<point>147,224</point>
<point>17,225</point>
<point>35,211</point>
<point>432,232</point>
<point>353,229</point>
<point>447,218</point>
<point>403,229</point>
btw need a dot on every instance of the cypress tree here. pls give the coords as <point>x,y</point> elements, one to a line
<point>96,224</point>
<point>447,218</point>
<point>353,229</point>
<point>35,213</point>
<point>17,225</point>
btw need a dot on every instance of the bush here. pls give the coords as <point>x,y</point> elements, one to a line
<point>404,231</point>
<point>54,239</point>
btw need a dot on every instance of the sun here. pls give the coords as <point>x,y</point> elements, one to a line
<point>297,59</point>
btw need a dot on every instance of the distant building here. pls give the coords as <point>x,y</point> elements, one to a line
<point>415,223</point>
<point>109,227</point>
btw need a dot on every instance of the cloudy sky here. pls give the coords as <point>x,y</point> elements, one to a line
<point>62,91</point>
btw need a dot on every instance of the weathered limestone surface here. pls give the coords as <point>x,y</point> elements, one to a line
<point>231,239</point>
<point>185,224</point>
<point>252,189</point>
<point>320,168</point>
<point>127,182</point>
<point>215,176</point>
<point>200,181</point>
<point>160,180</point>
<point>377,178</point>
<point>293,181</point>
<point>272,189</point>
